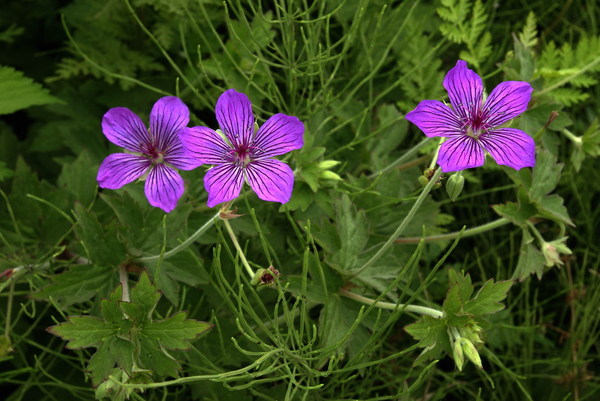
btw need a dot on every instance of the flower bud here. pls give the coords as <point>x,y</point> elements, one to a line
<point>454,185</point>
<point>470,351</point>
<point>458,355</point>
<point>265,276</point>
<point>552,250</point>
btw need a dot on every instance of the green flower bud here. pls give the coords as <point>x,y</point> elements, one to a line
<point>458,355</point>
<point>454,185</point>
<point>553,249</point>
<point>470,351</point>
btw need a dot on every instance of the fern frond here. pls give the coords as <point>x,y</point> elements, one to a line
<point>529,34</point>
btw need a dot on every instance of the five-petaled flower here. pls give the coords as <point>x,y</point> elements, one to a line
<point>472,125</point>
<point>240,154</point>
<point>154,152</point>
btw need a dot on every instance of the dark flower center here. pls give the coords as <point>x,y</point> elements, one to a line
<point>476,124</point>
<point>242,155</point>
<point>156,156</point>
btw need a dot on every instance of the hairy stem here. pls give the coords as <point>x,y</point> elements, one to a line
<point>237,246</point>
<point>422,310</point>
<point>402,226</point>
<point>124,282</point>
<point>466,233</point>
<point>185,243</point>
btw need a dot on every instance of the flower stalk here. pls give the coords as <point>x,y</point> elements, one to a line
<point>239,249</point>
<point>185,243</point>
<point>402,226</point>
<point>448,236</point>
<point>421,310</point>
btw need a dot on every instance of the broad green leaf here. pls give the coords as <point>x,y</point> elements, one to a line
<point>460,291</point>
<point>154,358</point>
<point>78,284</point>
<point>115,351</point>
<point>517,213</point>
<point>432,336</point>
<point>19,92</point>
<point>552,207</point>
<point>109,308</point>
<point>488,298</point>
<point>100,240</point>
<point>531,260</point>
<point>352,227</point>
<point>546,174</point>
<point>176,331</point>
<point>83,331</point>
<point>336,320</point>
<point>79,178</point>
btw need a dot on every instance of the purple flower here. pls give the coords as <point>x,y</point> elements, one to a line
<point>472,124</point>
<point>239,154</point>
<point>154,152</point>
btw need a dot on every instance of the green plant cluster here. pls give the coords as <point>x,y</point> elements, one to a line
<point>394,281</point>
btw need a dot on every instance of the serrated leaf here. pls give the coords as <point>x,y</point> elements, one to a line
<point>460,290</point>
<point>79,178</point>
<point>109,308</point>
<point>352,227</point>
<point>115,351</point>
<point>144,298</point>
<point>545,176</point>
<point>78,284</point>
<point>552,207</point>
<point>528,37</point>
<point>154,358</point>
<point>488,298</point>
<point>101,242</point>
<point>83,331</point>
<point>175,332</point>
<point>517,213</point>
<point>531,260</point>
<point>19,92</point>
<point>432,336</point>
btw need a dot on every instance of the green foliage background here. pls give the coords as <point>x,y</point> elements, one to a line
<point>350,70</point>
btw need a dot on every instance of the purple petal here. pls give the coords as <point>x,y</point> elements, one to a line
<point>459,153</point>
<point>125,129</point>
<point>271,179</point>
<point>434,118</point>
<point>464,89</point>
<point>169,115</point>
<point>510,147</point>
<point>164,187</point>
<point>278,135</point>
<point>223,183</point>
<point>205,145</point>
<point>507,100</point>
<point>180,158</point>
<point>119,169</point>
<point>234,114</point>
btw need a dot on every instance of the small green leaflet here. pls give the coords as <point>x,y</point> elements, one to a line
<point>126,337</point>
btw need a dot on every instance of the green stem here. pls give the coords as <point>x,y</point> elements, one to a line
<point>437,153</point>
<point>466,233</point>
<point>124,279</point>
<point>407,219</point>
<point>577,140</point>
<point>185,243</point>
<point>9,306</point>
<point>215,377</point>
<point>569,78</point>
<point>402,159</point>
<point>237,246</point>
<point>422,310</point>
